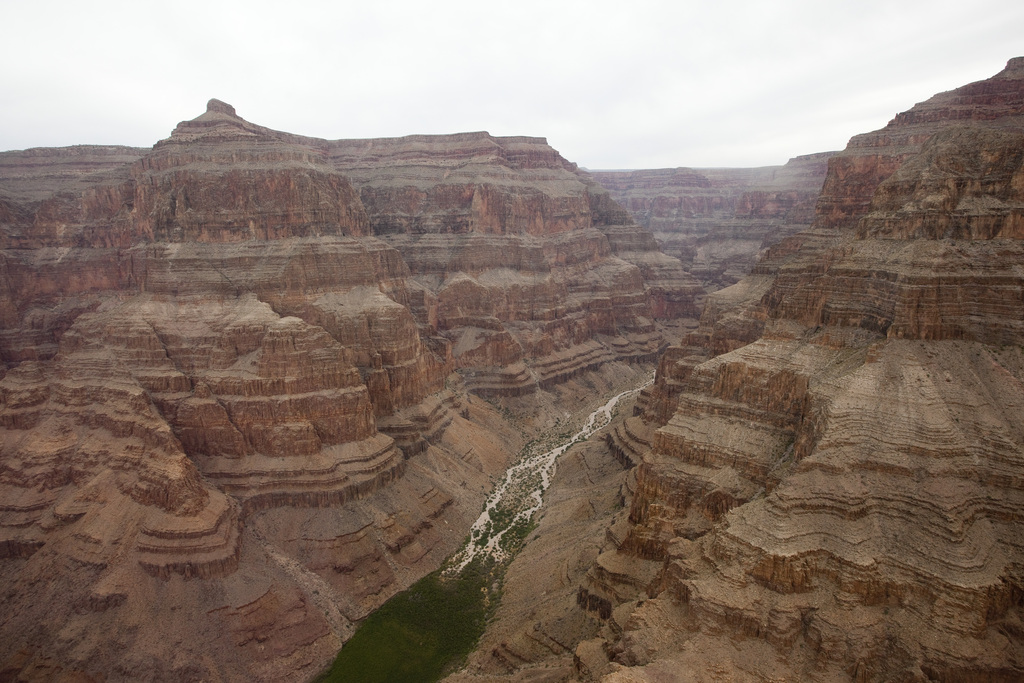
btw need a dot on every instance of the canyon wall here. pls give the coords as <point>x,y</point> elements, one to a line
<point>718,221</point>
<point>828,481</point>
<point>243,372</point>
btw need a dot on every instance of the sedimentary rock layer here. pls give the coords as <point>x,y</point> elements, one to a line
<point>833,484</point>
<point>517,257</point>
<point>211,349</point>
<point>719,221</point>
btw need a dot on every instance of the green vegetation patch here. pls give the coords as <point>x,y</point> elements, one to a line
<point>426,632</point>
<point>423,633</point>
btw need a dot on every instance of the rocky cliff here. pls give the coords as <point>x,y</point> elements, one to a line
<point>212,349</point>
<point>828,471</point>
<point>718,221</point>
<point>522,263</point>
<point>842,492</point>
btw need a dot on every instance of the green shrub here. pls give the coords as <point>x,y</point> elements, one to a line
<point>421,634</point>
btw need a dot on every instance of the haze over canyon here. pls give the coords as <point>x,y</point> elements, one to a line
<point>253,384</point>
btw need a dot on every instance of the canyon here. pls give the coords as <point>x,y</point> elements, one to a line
<point>718,221</point>
<point>254,383</point>
<point>823,483</point>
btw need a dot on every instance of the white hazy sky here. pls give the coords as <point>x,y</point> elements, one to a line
<point>625,84</point>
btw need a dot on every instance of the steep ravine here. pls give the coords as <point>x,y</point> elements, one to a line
<point>519,495</point>
<point>423,630</point>
<point>246,358</point>
<point>828,481</point>
<point>252,384</point>
<point>539,623</point>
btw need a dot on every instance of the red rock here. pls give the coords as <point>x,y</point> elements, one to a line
<point>718,221</point>
<point>213,349</point>
<point>833,492</point>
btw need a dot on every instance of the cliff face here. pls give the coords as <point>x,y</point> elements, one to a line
<point>519,261</point>
<point>718,221</point>
<point>829,469</point>
<point>211,349</point>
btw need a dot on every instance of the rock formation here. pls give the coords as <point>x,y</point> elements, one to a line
<point>828,471</point>
<point>718,221</point>
<point>211,349</point>
<point>523,264</point>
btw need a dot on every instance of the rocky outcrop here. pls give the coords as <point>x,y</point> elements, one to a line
<point>719,221</point>
<point>868,159</point>
<point>213,349</point>
<point>832,486</point>
<point>523,264</point>
<point>466,183</point>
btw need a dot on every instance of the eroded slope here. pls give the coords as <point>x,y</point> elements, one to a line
<point>718,221</point>
<point>231,419</point>
<point>828,481</point>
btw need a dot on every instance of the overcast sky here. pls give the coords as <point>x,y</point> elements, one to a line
<point>624,84</point>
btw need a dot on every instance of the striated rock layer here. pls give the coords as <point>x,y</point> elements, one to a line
<point>828,470</point>
<point>718,221</point>
<point>833,484</point>
<point>518,260</point>
<point>212,349</point>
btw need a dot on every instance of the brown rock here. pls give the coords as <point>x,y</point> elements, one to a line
<point>835,499</point>
<point>828,469</point>
<point>719,221</point>
<point>213,349</point>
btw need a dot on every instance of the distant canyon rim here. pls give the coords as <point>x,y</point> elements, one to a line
<point>253,384</point>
